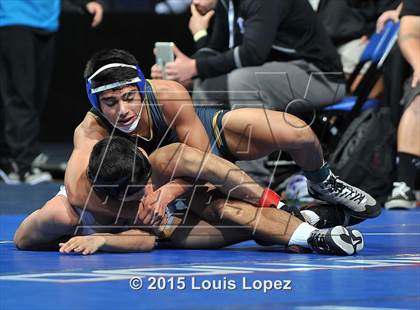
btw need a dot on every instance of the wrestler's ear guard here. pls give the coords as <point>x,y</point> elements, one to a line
<point>92,97</point>
<point>141,84</point>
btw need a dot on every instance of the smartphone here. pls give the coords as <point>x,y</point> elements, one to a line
<point>164,54</point>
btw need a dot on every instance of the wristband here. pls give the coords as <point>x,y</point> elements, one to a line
<point>200,34</point>
<point>270,199</point>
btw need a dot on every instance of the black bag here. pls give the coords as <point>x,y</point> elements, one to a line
<point>365,154</point>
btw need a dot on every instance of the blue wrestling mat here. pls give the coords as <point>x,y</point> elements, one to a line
<point>385,275</point>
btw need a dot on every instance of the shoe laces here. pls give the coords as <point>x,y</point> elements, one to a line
<point>338,186</point>
<point>318,239</point>
<point>400,189</point>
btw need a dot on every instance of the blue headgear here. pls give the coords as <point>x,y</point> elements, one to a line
<point>91,93</point>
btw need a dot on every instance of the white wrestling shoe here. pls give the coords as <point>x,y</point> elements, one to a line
<point>335,191</point>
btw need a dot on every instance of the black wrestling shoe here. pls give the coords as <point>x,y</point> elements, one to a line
<point>325,216</point>
<point>328,216</point>
<point>336,241</point>
<point>402,197</point>
<point>335,191</point>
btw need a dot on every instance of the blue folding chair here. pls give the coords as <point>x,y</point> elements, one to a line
<point>375,53</point>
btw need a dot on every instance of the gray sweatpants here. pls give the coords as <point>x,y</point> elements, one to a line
<point>298,85</point>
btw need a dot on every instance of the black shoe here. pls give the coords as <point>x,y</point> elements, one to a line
<point>328,216</point>
<point>335,191</point>
<point>402,197</point>
<point>336,241</point>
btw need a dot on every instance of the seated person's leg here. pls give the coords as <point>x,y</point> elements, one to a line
<point>408,146</point>
<point>281,86</point>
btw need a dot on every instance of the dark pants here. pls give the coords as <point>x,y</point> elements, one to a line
<point>26,59</point>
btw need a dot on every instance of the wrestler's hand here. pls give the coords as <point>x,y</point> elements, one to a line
<point>95,9</point>
<point>83,244</point>
<point>182,69</point>
<point>154,206</point>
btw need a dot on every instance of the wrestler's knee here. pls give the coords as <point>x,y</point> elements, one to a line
<point>298,133</point>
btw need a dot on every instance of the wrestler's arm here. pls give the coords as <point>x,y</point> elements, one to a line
<point>182,161</point>
<point>86,135</point>
<point>42,229</point>
<point>179,113</point>
<point>133,240</point>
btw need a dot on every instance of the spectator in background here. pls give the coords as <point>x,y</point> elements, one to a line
<point>27,32</point>
<point>259,53</point>
<point>171,7</point>
<point>408,142</point>
<point>350,23</point>
<point>263,53</point>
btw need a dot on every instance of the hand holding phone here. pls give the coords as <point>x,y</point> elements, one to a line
<point>164,55</point>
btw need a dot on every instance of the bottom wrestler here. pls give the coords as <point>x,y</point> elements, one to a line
<point>110,222</point>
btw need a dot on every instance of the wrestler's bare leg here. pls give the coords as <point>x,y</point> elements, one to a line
<point>254,133</point>
<point>42,229</point>
<point>194,233</point>
<point>266,224</point>
<point>246,222</point>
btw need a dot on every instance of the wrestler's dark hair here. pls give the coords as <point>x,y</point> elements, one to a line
<point>117,167</point>
<point>112,75</point>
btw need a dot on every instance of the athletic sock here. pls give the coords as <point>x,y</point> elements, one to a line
<point>318,176</point>
<point>407,168</point>
<point>310,216</point>
<point>301,235</point>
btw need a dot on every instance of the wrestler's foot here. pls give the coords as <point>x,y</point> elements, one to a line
<point>333,190</point>
<point>336,241</point>
<point>325,216</point>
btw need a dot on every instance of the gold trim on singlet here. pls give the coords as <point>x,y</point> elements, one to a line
<point>168,230</point>
<point>216,130</point>
<point>149,116</point>
<point>98,119</point>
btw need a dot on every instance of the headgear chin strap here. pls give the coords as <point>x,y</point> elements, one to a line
<point>132,127</point>
<point>139,80</point>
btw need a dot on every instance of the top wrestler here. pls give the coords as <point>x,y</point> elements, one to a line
<point>156,113</point>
